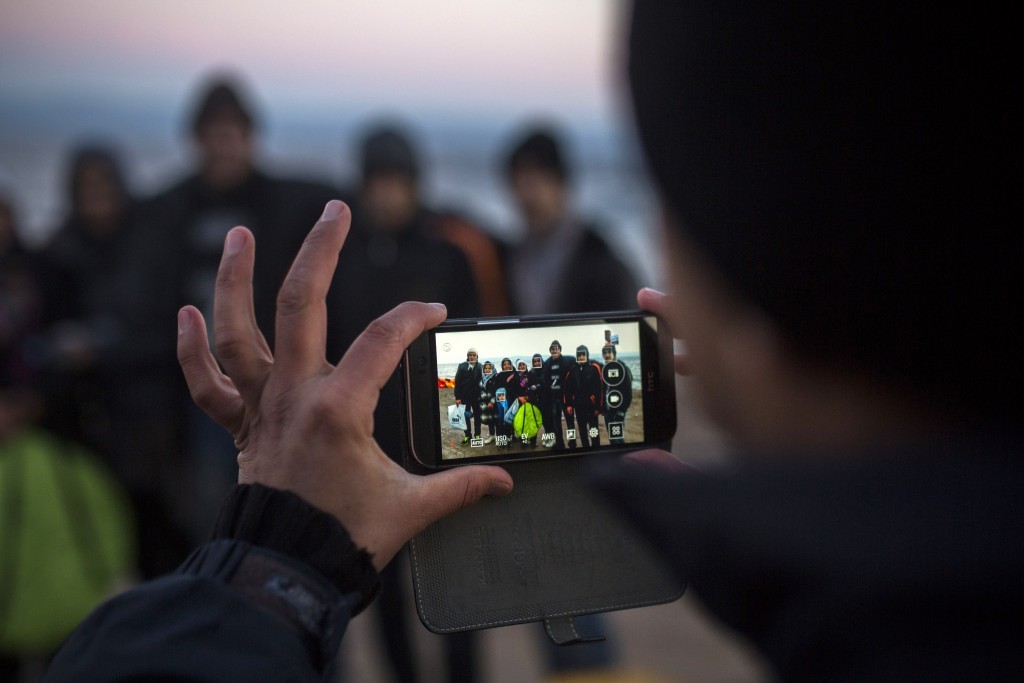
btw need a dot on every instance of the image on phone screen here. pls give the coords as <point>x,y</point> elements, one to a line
<point>531,390</point>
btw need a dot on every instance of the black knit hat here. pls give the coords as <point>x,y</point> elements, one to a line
<point>850,171</point>
<point>221,98</point>
<point>537,149</point>
<point>388,150</point>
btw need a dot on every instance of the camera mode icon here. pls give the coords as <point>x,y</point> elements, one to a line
<point>613,373</point>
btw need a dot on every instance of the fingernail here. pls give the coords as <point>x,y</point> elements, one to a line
<point>499,488</point>
<point>440,307</point>
<point>233,244</point>
<point>184,322</point>
<point>332,210</point>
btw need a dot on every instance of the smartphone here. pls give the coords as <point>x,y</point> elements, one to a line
<point>491,390</point>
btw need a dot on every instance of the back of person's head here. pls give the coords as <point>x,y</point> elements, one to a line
<point>387,149</point>
<point>222,98</point>
<point>851,170</point>
<point>537,149</point>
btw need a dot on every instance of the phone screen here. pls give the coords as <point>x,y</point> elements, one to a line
<point>536,390</point>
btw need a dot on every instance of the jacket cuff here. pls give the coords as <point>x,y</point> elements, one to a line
<point>283,522</point>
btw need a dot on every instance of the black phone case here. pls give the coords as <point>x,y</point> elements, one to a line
<point>548,551</point>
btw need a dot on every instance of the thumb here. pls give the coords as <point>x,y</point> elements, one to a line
<point>446,492</point>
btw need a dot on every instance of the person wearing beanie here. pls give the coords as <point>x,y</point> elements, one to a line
<point>173,259</point>
<point>392,254</point>
<point>468,380</point>
<point>618,393</point>
<point>554,407</point>
<point>562,264</point>
<point>584,396</point>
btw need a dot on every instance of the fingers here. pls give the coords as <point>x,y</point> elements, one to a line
<point>210,388</point>
<point>373,356</point>
<point>446,492</point>
<point>241,348</point>
<point>301,304</point>
<point>654,301</point>
<point>661,304</point>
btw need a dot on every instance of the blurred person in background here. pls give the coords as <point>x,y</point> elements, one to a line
<point>181,247</point>
<point>93,353</point>
<point>66,529</point>
<point>394,254</point>
<point>562,263</point>
<point>21,298</point>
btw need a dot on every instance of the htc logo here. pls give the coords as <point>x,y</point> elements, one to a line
<point>650,381</point>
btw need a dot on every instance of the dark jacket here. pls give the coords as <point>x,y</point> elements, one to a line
<point>467,383</point>
<point>554,375</point>
<point>377,272</point>
<point>280,213</point>
<point>267,599</point>
<point>594,279</point>
<point>584,388</point>
<point>537,391</point>
<point>509,381</point>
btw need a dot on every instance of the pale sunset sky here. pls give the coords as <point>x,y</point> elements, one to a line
<point>474,57</point>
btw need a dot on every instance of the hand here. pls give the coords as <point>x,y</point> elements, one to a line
<point>660,304</point>
<point>304,425</point>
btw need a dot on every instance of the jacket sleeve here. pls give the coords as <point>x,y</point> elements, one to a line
<point>258,602</point>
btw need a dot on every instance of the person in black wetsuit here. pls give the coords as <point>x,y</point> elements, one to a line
<point>584,396</point>
<point>618,394</point>
<point>554,407</point>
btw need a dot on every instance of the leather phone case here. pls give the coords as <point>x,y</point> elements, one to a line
<point>548,551</point>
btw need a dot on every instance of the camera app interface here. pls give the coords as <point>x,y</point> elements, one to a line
<point>505,392</point>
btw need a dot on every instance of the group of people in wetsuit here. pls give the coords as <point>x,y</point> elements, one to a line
<point>578,389</point>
